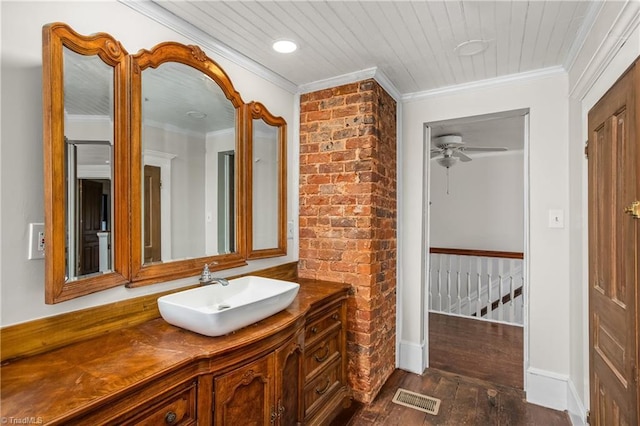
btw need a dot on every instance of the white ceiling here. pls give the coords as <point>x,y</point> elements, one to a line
<point>410,42</point>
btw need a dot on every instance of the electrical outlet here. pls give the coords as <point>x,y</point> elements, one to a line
<point>36,241</point>
<point>290,225</point>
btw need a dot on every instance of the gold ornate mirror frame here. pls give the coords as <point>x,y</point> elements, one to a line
<point>126,265</point>
<point>194,57</point>
<point>258,112</point>
<point>56,37</point>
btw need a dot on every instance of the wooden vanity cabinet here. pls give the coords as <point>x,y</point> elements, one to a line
<point>265,391</point>
<point>325,363</point>
<point>176,409</point>
<point>289,369</point>
<point>159,403</point>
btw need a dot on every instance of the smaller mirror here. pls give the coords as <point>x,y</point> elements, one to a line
<point>268,183</point>
<point>85,163</point>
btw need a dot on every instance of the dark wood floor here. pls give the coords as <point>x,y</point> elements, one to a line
<point>480,349</point>
<point>477,372</point>
<point>465,401</point>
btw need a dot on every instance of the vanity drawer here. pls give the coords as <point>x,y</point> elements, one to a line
<point>332,320</point>
<point>320,389</point>
<point>321,353</point>
<point>176,409</point>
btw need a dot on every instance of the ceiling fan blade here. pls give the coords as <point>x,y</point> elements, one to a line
<point>435,153</point>
<point>482,149</point>
<point>462,156</point>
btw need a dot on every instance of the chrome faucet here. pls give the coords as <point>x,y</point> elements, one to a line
<point>207,278</point>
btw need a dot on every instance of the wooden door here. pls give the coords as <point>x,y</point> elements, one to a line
<point>290,382</point>
<point>245,396</point>
<point>90,193</point>
<point>152,222</point>
<point>614,163</point>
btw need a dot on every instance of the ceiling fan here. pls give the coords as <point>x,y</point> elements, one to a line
<point>450,148</point>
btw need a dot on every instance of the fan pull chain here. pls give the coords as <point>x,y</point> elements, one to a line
<point>447,180</point>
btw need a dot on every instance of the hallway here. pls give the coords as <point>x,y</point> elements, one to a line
<point>483,350</point>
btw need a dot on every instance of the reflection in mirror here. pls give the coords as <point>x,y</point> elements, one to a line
<point>188,131</point>
<point>85,169</point>
<point>88,124</point>
<point>267,170</point>
<point>89,203</point>
<point>186,118</point>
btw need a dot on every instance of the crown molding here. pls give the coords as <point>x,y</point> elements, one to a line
<point>387,85</point>
<point>591,17</point>
<point>205,41</point>
<point>337,81</point>
<point>365,74</point>
<point>625,24</point>
<point>481,84</point>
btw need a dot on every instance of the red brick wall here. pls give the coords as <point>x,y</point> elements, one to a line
<point>348,217</point>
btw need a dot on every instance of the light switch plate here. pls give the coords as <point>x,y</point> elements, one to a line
<point>556,219</point>
<point>36,241</point>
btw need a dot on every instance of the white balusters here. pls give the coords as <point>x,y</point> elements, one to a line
<point>469,285</point>
<point>458,292</point>
<point>479,293</point>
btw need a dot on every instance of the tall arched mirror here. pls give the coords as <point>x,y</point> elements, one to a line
<point>187,166</point>
<point>85,163</point>
<point>268,183</point>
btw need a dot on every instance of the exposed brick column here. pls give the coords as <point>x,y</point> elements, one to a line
<point>348,217</point>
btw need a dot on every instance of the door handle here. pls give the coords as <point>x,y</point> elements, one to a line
<point>633,209</point>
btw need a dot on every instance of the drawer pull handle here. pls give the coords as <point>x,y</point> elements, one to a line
<point>170,417</point>
<point>314,330</point>
<point>325,388</point>
<point>335,316</point>
<point>323,357</point>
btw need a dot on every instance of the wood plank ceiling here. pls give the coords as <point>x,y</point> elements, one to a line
<point>413,43</point>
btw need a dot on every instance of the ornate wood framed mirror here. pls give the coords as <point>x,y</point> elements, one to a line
<point>187,182</point>
<point>86,167</point>
<point>267,178</point>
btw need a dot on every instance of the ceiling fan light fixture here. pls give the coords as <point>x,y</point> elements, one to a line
<point>284,46</point>
<point>447,161</point>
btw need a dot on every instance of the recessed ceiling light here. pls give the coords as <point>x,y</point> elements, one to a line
<point>284,46</point>
<point>471,47</point>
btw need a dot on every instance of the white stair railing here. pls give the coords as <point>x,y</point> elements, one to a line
<point>478,284</point>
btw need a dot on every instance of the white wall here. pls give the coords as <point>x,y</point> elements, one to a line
<point>548,292</point>
<point>21,177</point>
<point>484,208</point>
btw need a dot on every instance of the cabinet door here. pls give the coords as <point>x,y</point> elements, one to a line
<point>245,396</point>
<point>289,382</point>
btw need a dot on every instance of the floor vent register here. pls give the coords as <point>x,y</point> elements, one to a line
<point>417,401</point>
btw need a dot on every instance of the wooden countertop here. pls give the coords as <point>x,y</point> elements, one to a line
<point>83,376</point>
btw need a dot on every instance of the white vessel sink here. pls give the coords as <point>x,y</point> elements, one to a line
<point>215,310</point>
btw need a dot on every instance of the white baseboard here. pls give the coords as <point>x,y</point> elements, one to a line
<point>553,390</point>
<point>411,357</point>
<point>576,408</point>
<point>547,388</point>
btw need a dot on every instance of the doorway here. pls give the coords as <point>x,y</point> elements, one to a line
<point>94,208</point>
<point>476,285</point>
